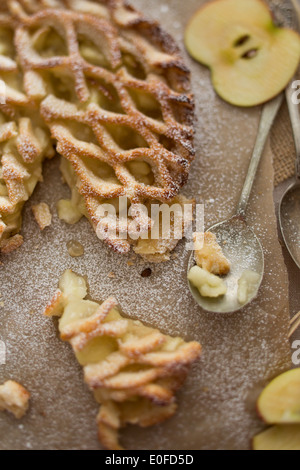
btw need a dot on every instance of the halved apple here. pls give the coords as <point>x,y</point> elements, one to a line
<point>251,59</point>
<point>285,437</point>
<point>280,400</point>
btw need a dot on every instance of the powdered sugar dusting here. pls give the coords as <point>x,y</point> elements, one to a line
<point>241,352</point>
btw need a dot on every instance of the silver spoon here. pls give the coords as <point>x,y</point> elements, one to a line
<point>239,243</point>
<point>289,208</point>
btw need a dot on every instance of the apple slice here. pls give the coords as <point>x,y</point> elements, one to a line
<point>280,400</point>
<point>251,59</point>
<point>207,284</point>
<point>285,437</point>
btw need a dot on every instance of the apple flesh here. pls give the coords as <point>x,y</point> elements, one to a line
<point>251,59</point>
<point>280,400</point>
<point>283,437</point>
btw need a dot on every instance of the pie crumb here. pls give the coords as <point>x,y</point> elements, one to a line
<point>14,398</point>
<point>42,215</point>
<point>75,249</point>
<point>13,243</point>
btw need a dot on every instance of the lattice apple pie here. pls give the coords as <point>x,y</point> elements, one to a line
<point>133,370</point>
<point>113,90</point>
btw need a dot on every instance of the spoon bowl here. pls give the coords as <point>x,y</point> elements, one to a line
<point>243,249</point>
<point>289,220</point>
<point>239,243</point>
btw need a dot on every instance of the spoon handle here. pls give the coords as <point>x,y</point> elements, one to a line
<point>269,112</point>
<point>295,121</point>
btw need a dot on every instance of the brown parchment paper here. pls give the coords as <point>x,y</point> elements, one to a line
<point>241,352</point>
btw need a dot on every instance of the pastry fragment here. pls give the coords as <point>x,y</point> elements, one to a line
<point>23,147</point>
<point>14,398</point>
<point>208,284</point>
<point>209,255</point>
<point>42,215</point>
<point>133,370</point>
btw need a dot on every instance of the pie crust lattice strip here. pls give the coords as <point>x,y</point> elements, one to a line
<point>133,370</point>
<point>114,92</point>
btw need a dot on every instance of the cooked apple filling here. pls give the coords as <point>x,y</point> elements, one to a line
<point>23,146</point>
<point>279,403</point>
<point>116,101</point>
<point>247,286</point>
<point>252,59</point>
<point>208,284</point>
<point>133,370</point>
<point>153,248</point>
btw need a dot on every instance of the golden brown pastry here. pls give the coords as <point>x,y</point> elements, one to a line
<point>133,370</point>
<point>209,255</point>
<point>115,94</point>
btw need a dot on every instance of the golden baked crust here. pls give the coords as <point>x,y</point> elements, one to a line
<point>14,398</point>
<point>209,255</point>
<point>133,370</point>
<point>114,91</point>
<point>42,215</point>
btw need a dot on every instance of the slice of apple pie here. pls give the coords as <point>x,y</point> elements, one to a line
<point>114,91</point>
<point>133,370</point>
